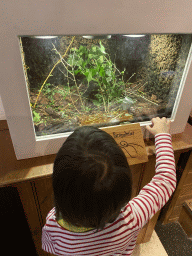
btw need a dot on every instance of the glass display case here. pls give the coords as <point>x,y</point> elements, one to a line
<point>103,76</point>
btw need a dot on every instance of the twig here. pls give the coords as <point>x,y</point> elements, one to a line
<point>62,60</point>
<point>133,88</point>
<point>72,73</point>
<point>142,85</point>
<point>71,97</point>
<point>103,98</point>
<point>130,77</point>
<point>52,71</point>
<point>76,84</point>
<point>66,62</point>
<point>64,74</point>
<point>143,98</point>
<point>67,105</point>
<point>117,116</point>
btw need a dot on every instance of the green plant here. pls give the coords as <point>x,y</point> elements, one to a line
<point>95,65</point>
<point>36,117</point>
<point>88,109</point>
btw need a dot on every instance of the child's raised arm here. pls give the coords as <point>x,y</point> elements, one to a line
<point>155,194</point>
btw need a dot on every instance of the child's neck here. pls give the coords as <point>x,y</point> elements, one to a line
<point>70,227</point>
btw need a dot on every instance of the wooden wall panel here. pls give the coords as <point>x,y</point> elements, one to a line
<point>167,210</point>
<point>176,212</point>
<point>148,171</point>
<point>182,193</point>
<point>186,189</point>
<point>136,176</point>
<point>181,199</point>
<point>188,179</point>
<point>13,171</point>
<point>30,203</point>
<point>43,188</point>
<point>44,192</point>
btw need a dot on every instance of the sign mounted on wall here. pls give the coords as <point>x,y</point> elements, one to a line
<point>130,140</point>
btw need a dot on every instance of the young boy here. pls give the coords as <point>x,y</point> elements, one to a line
<point>92,184</point>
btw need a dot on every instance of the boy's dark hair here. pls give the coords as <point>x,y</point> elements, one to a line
<point>92,180</point>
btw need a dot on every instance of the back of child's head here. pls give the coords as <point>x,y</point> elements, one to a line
<point>92,180</point>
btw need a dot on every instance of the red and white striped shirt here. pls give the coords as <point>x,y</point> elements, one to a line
<point>119,237</point>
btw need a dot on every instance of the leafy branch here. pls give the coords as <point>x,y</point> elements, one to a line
<point>95,65</point>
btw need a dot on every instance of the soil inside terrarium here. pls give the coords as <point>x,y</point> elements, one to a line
<point>59,113</point>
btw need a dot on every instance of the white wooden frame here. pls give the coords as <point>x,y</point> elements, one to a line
<point>62,17</point>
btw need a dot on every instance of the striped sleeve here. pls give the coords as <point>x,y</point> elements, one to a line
<point>47,244</point>
<point>155,194</point>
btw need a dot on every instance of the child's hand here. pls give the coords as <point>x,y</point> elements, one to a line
<point>159,126</point>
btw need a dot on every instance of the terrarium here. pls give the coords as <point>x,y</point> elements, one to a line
<point>104,64</point>
<point>102,80</point>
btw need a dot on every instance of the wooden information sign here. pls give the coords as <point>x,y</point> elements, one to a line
<point>129,137</point>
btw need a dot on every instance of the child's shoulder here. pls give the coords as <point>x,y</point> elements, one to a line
<point>51,214</point>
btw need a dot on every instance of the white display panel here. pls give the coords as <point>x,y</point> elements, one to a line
<point>113,19</point>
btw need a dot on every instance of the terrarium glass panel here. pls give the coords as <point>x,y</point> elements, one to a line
<point>101,80</point>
